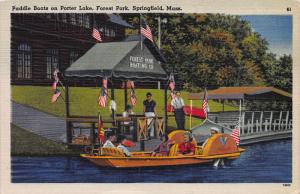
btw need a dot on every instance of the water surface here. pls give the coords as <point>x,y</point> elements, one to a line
<point>261,163</point>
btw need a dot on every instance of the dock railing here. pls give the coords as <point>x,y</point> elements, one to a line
<point>266,121</point>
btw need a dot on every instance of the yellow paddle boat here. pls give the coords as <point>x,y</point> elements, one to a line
<point>219,146</point>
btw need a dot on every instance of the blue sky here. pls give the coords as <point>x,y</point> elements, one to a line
<point>276,29</point>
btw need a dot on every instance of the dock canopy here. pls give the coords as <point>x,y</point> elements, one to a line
<point>253,93</point>
<point>126,59</point>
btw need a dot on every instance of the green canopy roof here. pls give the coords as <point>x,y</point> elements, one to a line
<point>120,60</point>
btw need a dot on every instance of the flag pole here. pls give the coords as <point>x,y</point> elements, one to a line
<point>191,109</point>
<point>141,38</point>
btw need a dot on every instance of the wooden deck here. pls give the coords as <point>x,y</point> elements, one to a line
<point>256,126</point>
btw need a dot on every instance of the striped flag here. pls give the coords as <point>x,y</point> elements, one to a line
<point>145,30</point>
<point>54,85</point>
<point>96,34</point>
<point>133,98</point>
<point>236,133</point>
<point>103,94</point>
<point>57,92</point>
<point>205,105</point>
<point>172,85</point>
<point>55,96</point>
<point>101,132</point>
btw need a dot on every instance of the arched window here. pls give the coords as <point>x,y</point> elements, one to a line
<point>24,61</point>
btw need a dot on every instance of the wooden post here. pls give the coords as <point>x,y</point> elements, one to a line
<point>166,109</point>
<point>191,108</point>
<point>261,120</point>
<point>271,117</point>
<point>112,90</point>
<point>252,122</point>
<point>223,108</point>
<point>242,123</point>
<point>280,118</point>
<point>93,135</point>
<point>287,120</point>
<point>125,95</point>
<point>68,123</point>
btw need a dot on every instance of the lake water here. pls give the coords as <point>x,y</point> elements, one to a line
<point>261,163</point>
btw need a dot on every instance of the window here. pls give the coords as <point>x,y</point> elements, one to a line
<point>112,33</point>
<point>87,21</point>
<point>109,32</point>
<point>64,18</point>
<point>52,61</point>
<point>80,19</point>
<point>49,16</point>
<point>73,56</point>
<point>24,61</point>
<point>73,18</point>
<point>106,31</point>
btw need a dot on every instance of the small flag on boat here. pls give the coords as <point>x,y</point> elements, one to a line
<point>55,95</point>
<point>133,98</point>
<point>103,94</point>
<point>96,34</point>
<point>205,105</point>
<point>236,133</point>
<point>101,132</point>
<point>145,30</point>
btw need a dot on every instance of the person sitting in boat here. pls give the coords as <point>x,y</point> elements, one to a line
<point>163,148</point>
<point>121,146</point>
<point>187,148</point>
<point>111,139</point>
<point>213,131</point>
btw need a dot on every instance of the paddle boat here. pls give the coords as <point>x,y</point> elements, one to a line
<point>219,146</point>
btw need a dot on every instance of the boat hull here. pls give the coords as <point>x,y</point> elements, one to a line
<point>137,161</point>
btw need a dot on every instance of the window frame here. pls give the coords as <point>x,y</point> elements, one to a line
<point>24,61</point>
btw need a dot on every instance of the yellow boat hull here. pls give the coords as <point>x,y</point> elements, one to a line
<point>143,159</point>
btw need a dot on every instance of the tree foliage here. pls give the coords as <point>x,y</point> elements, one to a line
<point>213,50</point>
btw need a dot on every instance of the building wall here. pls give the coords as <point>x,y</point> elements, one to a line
<point>38,39</point>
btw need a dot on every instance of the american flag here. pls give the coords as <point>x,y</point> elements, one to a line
<point>103,95</point>
<point>172,82</point>
<point>96,34</point>
<point>145,30</point>
<point>172,85</point>
<point>54,85</point>
<point>236,133</point>
<point>55,95</point>
<point>205,105</point>
<point>101,132</point>
<point>133,98</point>
<point>57,92</point>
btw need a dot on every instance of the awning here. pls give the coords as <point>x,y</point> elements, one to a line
<point>202,131</point>
<point>121,60</point>
<point>255,93</point>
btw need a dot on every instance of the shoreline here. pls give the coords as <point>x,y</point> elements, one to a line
<point>25,143</point>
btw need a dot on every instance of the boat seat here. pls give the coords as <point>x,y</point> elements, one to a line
<point>174,150</point>
<point>198,150</point>
<point>112,152</point>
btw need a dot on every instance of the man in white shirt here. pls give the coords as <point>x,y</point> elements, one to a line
<point>178,105</point>
<point>111,138</point>
<point>121,145</point>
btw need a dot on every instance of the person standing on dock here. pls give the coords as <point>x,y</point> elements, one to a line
<point>178,105</point>
<point>150,112</point>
